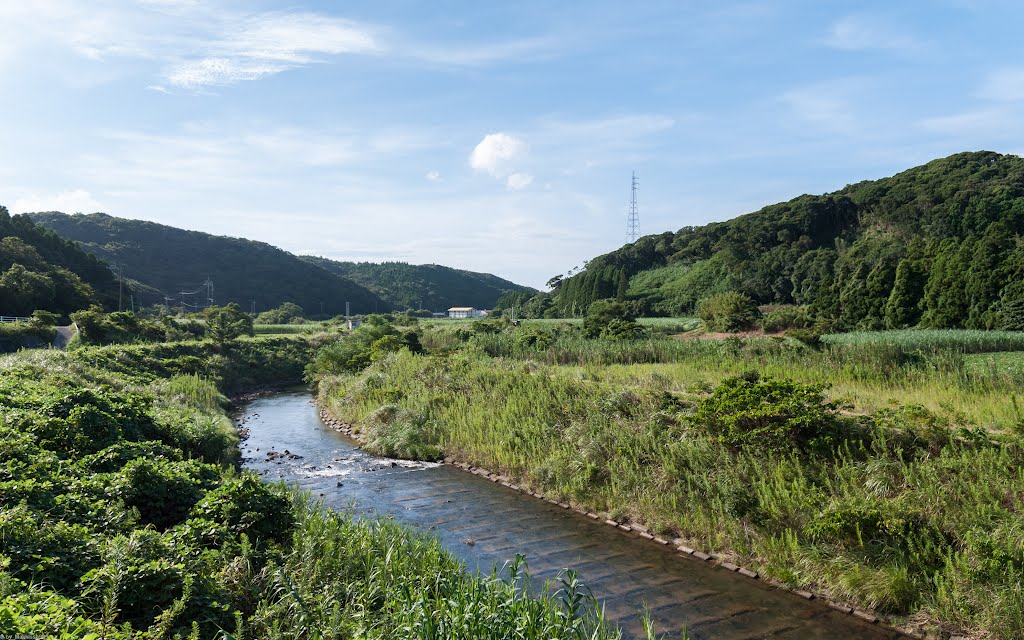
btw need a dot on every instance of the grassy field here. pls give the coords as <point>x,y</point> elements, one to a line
<point>878,471</point>
<point>291,329</point>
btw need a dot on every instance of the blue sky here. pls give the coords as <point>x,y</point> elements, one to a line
<point>493,136</point>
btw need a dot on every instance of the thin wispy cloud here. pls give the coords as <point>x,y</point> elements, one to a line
<point>863,33</point>
<point>530,49</point>
<point>270,43</point>
<point>977,124</point>
<point>1003,85</point>
<point>823,106</point>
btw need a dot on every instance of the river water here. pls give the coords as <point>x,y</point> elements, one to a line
<point>485,525</point>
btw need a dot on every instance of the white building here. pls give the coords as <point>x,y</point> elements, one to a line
<point>464,312</point>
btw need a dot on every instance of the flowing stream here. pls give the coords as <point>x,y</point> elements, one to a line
<point>485,525</point>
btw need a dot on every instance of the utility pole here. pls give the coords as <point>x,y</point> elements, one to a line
<point>253,307</point>
<point>118,270</point>
<point>209,291</point>
<point>633,222</point>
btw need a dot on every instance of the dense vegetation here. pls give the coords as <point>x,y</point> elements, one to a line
<point>937,246</point>
<point>123,515</point>
<point>883,475</point>
<point>171,260</point>
<point>424,286</point>
<point>39,270</point>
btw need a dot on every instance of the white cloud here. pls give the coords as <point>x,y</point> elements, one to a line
<point>497,153</point>
<point>433,176</point>
<point>824,106</point>
<point>478,55</point>
<point>76,201</point>
<point>270,43</point>
<point>860,33</point>
<point>1003,85</point>
<point>973,124</point>
<point>218,71</point>
<point>518,181</point>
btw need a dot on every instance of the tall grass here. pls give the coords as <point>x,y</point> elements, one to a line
<point>934,340</point>
<point>867,376</point>
<point>915,518</point>
<point>346,577</point>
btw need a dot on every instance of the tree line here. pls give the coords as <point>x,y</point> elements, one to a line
<point>937,246</point>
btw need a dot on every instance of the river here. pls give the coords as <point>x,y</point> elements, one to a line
<point>485,525</point>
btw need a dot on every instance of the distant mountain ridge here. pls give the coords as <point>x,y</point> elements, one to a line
<point>159,260</point>
<point>940,246</point>
<point>424,286</point>
<point>171,260</point>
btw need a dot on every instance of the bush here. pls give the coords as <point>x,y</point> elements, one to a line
<point>729,311</point>
<point>248,506</point>
<point>285,314</point>
<point>367,344</point>
<point>25,335</point>
<point>770,414</point>
<point>787,317</point>
<point>140,571</point>
<point>87,420</point>
<point>163,491</point>
<point>611,319</point>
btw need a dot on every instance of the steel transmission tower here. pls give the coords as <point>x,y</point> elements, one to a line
<point>633,224</point>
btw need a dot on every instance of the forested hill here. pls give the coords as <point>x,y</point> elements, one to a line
<point>424,286</point>
<point>40,270</point>
<point>939,245</point>
<point>173,260</point>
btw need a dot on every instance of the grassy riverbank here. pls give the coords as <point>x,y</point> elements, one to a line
<point>123,515</point>
<point>882,476</point>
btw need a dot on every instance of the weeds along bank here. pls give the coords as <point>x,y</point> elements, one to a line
<point>123,515</point>
<point>910,511</point>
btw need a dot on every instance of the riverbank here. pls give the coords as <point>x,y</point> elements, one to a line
<point>484,524</point>
<point>643,533</point>
<point>123,515</point>
<point>880,513</point>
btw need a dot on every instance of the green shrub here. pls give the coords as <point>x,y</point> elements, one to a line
<point>139,573</point>
<point>164,491</point>
<point>730,311</point>
<point>248,506</point>
<point>612,319</point>
<point>770,414</point>
<point>54,553</point>
<point>117,455</point>
<point>87,420</point>
<point>786,317</point>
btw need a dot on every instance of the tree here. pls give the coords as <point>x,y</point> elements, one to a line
<point>23,291</point>
<point>284,314</point>
<point>903,308</point>
<point>730,311</point>
<point>227,323</point>
<point>610,318</point>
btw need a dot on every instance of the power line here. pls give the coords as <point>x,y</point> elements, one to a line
<point>633,222</point>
